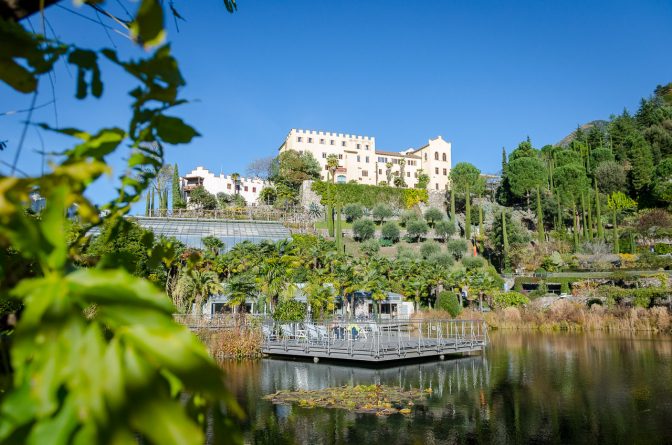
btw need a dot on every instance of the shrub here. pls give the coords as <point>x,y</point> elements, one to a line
<point>407,216</point>
<point>444,229</point>
<point>507,299</point>
<point>441,259</point>
<point>289,311</point>
<point>381,212</point>
<point>385,243</point>
<point>429,248</point>
<point>447,301</point>
<point>662,249</point>
<point>473,262</point>
<point>370,247</point>
<point>390,231</point>
<point>353,212</point>
<point>364,229</point>
<point>457,248</point>
<point>404,253</point>
<point>432,215</point>
<point>416,230</point>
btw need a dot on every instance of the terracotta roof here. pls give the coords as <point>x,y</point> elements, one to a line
<point>397,154</point>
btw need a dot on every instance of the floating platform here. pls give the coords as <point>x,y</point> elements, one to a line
<point>375,342</point>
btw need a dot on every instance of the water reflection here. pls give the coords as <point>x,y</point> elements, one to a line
<point>526,388</point>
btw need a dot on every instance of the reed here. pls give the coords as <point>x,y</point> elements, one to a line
<point>238,342</point>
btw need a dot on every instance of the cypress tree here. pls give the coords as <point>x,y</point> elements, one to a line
<point>540,218</point>
<point>339,231</point>
<point>480,215</point>
<point>598,213</point>
<point>590,219</point>
<point>575,227</point>
<point>505,242</point>
<point>467,216</point>
<point>584,225</point>
<point>147,203</point>
<point>452,205</point>
<point>616,243</point>
<point>151,205</point>
<point>178,201</point>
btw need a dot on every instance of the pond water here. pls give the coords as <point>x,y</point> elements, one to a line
<point>525,388</point>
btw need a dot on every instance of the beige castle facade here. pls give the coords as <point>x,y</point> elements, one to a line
<point>360,161</point>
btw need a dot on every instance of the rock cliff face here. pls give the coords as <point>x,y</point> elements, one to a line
<point>307,196</point>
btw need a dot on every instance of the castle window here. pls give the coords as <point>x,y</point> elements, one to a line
<point>358,160</point>
<point>408,174</point>
<point>437,185</point>
<point>436,156</point>
<point>254,190</point>
<point>331,142</point>
<point>367,146</point>
<point>245,188</point>
<point>365,173</point>
<point>299,139</point>
<point>436,170</point>
<point>445,172</point>
<point>444,157</point>
<point>310,140</point>
<point>228,186</point>
<point>359,146</point>
<point>343,143</point>
<point>321,141</point>
<point>425,156</point>
<point>367,159</point>
<point>340,156</point>
<point>324,155</point>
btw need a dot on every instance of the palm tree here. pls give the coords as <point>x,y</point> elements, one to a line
<point>320,294</point>
<point>235,177</point>
<point>239,288</point>
<point>332,166</point>
<point>199,285</point>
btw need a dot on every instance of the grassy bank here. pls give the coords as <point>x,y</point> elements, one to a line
<point>569,316</point>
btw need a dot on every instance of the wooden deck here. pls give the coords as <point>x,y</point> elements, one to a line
<point>375,342</point>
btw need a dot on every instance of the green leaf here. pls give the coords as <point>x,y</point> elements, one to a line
<point>164,422</point>
<point>147,28</point>
<point>117,287</point>
<point>17,76</point>
<point>173,130</point>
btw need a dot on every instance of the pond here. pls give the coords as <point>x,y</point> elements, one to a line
<point>526,388</point>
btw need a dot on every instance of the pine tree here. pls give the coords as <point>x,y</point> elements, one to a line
<point>641,160</point>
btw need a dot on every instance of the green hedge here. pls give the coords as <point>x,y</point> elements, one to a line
<point>370,195</point>
<point>662,249</point>
<point>641,297</point>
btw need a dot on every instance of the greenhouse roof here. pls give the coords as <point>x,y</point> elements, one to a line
<point>190,231</point>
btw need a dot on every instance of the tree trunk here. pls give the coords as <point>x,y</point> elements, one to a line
<point>339,231</point>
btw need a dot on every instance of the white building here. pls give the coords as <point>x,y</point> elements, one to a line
<point>248,188</point>
<point>359,160</point>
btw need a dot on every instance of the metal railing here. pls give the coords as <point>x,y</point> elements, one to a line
<point>372,340</point>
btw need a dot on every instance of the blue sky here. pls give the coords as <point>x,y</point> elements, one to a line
<point>483,74</point>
